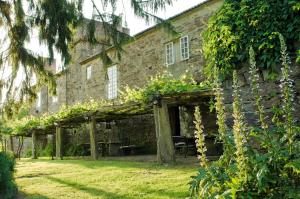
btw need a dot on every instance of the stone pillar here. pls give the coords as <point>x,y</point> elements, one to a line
<point>59,143</point>
<point>34,144</point>
<point>165,147</point>
<point>93,139</point>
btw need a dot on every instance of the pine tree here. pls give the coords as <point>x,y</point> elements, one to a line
<point>56,22</point>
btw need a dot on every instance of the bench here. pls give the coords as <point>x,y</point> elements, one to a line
<point>183,142</point>
<point>128,149</point>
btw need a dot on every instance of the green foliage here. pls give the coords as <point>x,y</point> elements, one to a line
<point>24,125</point>
<point>163,85</point>
<point>76,150</point>
<point>243,23</point>
<point>272,172</point>
<point>7,185</point>
<point>160,85</point>
<point>294,166</point>
<point>47,151</point>
<point>59,24</point>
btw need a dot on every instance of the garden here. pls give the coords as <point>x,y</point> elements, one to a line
<point>261,154</point>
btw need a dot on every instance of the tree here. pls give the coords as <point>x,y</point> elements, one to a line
<point>56,22</point>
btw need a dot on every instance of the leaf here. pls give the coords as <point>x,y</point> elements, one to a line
<point>294,166</point>
<point>261,177</point>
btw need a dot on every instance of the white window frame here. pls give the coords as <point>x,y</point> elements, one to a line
<point>112,84</point>
<point>89,72</point>
<point>170,55</point>
<point>39,100</point>
<point>184,48</point>
<point>59,68</point>
<point>55,99</point>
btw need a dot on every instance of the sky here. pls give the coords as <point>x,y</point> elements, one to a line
<point>134,23</point>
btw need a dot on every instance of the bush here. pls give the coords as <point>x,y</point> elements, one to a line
<point>241,23</point>
<point>8,187</point>
<point>270,171</point>
<point>47,151</point>
<point>76,150</point>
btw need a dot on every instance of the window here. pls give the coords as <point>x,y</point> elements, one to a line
<point>39,100</point>
<point>112,86</point>
<point>88,72</point>
<point>184,48</point>
<point>59,68</point>
<point>170,54</point>
<point>54,99</point>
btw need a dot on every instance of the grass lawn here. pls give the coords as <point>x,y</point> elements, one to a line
<point>107,179</point>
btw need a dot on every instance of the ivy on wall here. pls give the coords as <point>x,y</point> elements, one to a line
<point>240,24</point>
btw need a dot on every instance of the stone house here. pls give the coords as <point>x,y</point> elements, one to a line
<point>151,52</point>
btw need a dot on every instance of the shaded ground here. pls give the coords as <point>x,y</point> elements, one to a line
<point>112,178</point>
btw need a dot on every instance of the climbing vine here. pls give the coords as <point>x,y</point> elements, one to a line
<point>162,85</point>
<point>243,23</point>
<point>157,86</point>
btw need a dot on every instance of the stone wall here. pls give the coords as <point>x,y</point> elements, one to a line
<point>270,93</point>
<point>143,58</point>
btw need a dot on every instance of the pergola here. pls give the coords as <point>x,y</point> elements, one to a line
<point>159,107</point>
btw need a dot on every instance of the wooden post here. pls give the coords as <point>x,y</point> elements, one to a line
<point>165,147</point>
<point>11,140</point>
<point>53,146</point>
<point>59,143</point>
<point>93,139</point>
<point>34,144</point>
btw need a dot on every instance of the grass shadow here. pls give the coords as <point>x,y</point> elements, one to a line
<point>90,190</point>
<point>163,192</point>
<point>91,164</point>
<point>22,195</point>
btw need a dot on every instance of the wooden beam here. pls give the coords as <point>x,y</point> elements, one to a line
<point>59,143</point>
<point>34,144</point>
<point>93,139</point>
<point>165,147</point>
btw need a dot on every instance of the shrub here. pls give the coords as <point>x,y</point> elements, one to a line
<point>76,150</point>
<point>273,170</point>
<point>8,187</point>
<point>242,23</point>
<point>47,151</point>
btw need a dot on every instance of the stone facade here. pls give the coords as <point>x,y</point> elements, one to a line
<point>145,57</point>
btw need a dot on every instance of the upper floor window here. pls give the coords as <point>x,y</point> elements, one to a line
<point>184,48</point>
<point>88,72</point>
<point>59,68</point>
<point>39,100</point>
<point>54,99</point>
<point>170,58</point>
<point>112,85</point>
